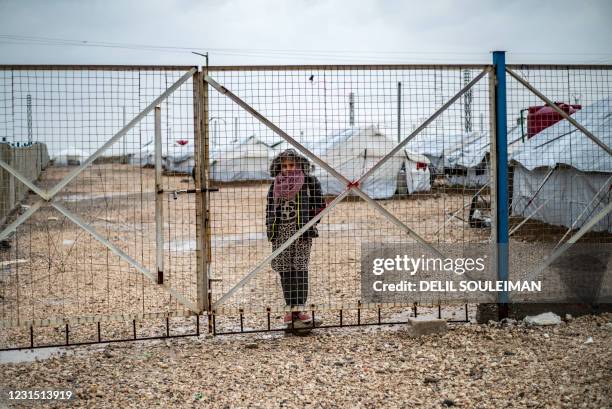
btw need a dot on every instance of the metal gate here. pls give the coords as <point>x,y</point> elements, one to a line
<point>336,116</point>
<point>561,169</point>
<point>105,247</point>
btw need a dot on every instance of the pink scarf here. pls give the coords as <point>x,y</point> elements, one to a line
<point>286,186</point>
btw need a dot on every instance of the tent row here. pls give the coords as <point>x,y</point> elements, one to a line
<point>351,152</point>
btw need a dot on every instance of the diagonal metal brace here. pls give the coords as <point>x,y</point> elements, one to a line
<point>124,256</point>
<point>280,249</point>
<point>425,124</point>
<point>49,195</point>
<point>558,110</point>
<point>571,241</point>
<point>350,185</point>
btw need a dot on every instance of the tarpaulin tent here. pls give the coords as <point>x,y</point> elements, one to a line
<point>562,177</point>
<point>354,151</point>
<point>245,160</point>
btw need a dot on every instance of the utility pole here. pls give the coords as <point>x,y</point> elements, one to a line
<point>235,129</point>
<point>399,111</point>
<point>124,159</point>
<point>352,109</point>
<point>29,118</point>
<point>467,102</point>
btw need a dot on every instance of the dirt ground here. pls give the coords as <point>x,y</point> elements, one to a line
<point>471,366</point>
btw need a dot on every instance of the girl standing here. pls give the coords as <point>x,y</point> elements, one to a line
<point>293,200</point>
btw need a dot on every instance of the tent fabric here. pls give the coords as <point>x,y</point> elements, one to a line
<point>473,178</point>
<point>355,150</point>
<point>562,143</point>
<point>452,150</point>
<point>564,197</point>
<point>418,180</point>
<point>179,159</point>
<point>247,160</point>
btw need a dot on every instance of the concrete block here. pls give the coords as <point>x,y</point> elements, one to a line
<point>426,326</point>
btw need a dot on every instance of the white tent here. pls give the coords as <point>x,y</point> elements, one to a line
<point>246,160</point>
<point>463,158</point>
<point>70,157</point>
<point>144,157</point>
<point>563,178</point>
<point>179,159</point>
<point>355,150</point>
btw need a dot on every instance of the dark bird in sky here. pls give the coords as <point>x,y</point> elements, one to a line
<point>311,77</point>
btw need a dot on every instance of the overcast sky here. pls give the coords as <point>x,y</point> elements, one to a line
<point>308,32</point>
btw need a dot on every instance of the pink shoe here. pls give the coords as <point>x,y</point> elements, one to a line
<point>287,320</point>
<point>304,317</point>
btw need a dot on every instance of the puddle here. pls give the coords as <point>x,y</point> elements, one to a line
<point>181,245</point>
<point>118,226</point>
<point>246,238</point>
<point>333,227</point>
<point>90,196</point>
<point>29,355</point>
<point>233,238</point>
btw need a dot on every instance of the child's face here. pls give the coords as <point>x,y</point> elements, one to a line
<point>287,165</point>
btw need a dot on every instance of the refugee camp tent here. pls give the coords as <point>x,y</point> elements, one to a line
<point>70,157</point>
<point>355,150</point>
<point>248,159</point>
<point>563,178</point>
<point>145,157</point>
<point>463,157</point>
<point>179,159</point>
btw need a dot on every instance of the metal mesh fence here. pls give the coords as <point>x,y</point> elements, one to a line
<point>351,118</point>
<point>60,264</point>
<point>84,246</point>
<point>560,181</point>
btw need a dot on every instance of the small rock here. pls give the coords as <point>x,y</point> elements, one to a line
<point>547,318</point>
<point>568,317</point>
<point>251,345</point>
<point>589,340</point>
<point>430,379</point>
<point>448,402</point>
<point>509,353</point>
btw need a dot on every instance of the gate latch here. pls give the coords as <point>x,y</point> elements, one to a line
<point>175,193</point>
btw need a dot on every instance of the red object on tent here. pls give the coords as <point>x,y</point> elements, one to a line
<point>182,142</point>
<point>541,117</point>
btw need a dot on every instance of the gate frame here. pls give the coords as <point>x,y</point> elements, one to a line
<point>48,196</point>
<point>350,185</point>
<point>559,250</point>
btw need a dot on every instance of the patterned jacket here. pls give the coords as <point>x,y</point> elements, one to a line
<point>309,202</point>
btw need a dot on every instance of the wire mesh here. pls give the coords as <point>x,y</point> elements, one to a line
<point>560,181</point>
<point>55,271</point>
<point>351,118</point>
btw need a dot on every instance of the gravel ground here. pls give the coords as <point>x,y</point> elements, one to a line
<point>471,366</point>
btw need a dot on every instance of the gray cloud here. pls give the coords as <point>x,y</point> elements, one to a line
<point>436,31</point>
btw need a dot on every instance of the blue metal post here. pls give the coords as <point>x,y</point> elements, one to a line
<point>499,62</point>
